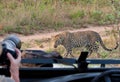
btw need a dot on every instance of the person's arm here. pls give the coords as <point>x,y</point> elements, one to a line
<point>14,65</point>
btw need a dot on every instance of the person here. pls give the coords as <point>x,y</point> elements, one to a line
<point>14,68</point>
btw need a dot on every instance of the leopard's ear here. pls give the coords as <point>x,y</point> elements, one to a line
<point>57,36</point>
<point>66,32</point>
<point>53,37</point>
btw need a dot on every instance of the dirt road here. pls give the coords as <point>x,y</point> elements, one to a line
<point>48,35</point>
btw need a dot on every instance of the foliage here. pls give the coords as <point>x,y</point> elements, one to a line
<point>22,16</point>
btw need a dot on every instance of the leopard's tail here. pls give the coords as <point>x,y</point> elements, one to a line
<point>104,47</point>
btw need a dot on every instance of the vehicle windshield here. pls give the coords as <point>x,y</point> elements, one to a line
<point>63,37</point>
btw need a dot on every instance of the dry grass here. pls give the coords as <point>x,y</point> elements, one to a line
<point>26,15</point>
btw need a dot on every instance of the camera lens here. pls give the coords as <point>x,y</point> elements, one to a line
<point>8,45</point>
<point>13,39</point>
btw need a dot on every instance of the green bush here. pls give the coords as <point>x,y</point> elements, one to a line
<point>77,14</point>
<point>96,15</point>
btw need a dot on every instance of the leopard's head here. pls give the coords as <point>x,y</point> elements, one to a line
<point>58,40</point>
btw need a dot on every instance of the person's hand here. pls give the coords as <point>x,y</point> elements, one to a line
<point>14,65</point>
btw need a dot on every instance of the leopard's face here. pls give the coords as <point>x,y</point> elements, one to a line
<point>58,40</point>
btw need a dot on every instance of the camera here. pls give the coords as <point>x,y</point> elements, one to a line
<point>8,45</point>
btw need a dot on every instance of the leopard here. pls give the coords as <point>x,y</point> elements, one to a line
<point>90,40</point>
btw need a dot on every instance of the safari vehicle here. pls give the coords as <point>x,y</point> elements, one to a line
<point>75,70</point>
